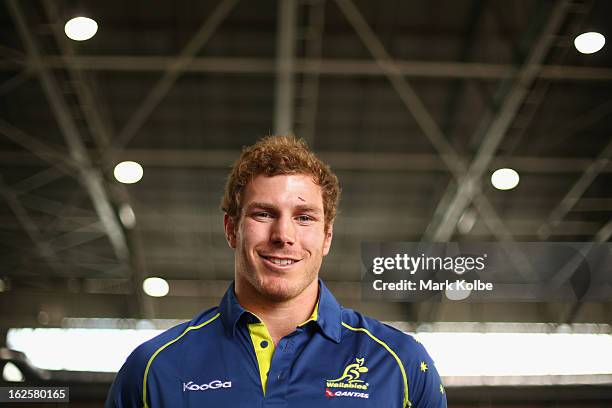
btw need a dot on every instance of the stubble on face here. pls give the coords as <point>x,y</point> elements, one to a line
<point>252,239</point>
<point>276,288</point>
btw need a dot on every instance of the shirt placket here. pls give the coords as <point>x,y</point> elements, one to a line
<point>279,375</point>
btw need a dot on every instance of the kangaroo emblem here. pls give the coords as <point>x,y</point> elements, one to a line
<point>352,372</point>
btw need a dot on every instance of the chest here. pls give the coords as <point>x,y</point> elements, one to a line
<point>315,374</point>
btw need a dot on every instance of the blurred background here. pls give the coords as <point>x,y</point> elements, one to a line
<point>445,120</point>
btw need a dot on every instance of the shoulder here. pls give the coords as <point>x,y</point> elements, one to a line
<point>143,353</point>
<point>127,388</point>
<point>423,382</point>
<point>404,343</point>
<point>404,347</point>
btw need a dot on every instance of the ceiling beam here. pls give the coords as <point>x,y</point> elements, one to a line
<point>442,227</point>
<point>574,310</point>
<point>172,72</point>
<point>324,66</point>
<point>604,234</point>
<point>102,133</point>
<point>15,81</point>
<point>44,249</point>
<point>38,179</point>
<point>453,161</point>
<point>285,73</point>
<point>43,150</point>
<point>458,87</point>
<point>88,102</point>
<point>577,191</point>
<point>89,175</point>
<point>221,159</point>
<point>11,54</point>
<point>308,94</point>
<point>451,158</point>
<point>540,90</point>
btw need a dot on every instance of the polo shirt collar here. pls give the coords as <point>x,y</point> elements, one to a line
<point>329,314</point>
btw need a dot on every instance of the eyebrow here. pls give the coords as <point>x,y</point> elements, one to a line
<point>268,206</point>
<point>308,208</point>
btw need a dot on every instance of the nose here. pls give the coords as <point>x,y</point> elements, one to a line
<point>283,231</point>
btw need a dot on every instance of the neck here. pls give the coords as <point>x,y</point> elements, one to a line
<point>280,317</point>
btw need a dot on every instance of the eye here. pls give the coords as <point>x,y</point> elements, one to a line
<point>262,214</point>
<point>304,218</point>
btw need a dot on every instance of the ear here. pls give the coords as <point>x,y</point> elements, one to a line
<point>230,231</point>
<point>329,235</point>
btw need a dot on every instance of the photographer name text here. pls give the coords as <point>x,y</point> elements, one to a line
<point>432,285</point>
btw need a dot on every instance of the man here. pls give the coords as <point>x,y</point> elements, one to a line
<point>279,338</point>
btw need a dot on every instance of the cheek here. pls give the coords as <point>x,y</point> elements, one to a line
<point>314,240</point>
<point>252,234</point>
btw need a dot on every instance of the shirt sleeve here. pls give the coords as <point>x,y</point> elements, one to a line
<point>425,386</point>
<point>126,390</point>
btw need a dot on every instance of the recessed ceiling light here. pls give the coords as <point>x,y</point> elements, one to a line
<point>80,28</point>
<point>12,373</point>
<point>466,222</point>
<point>505,179</point>
<point>128,172</point>
<point>454,292</point>
<point>155,287</point>
<point>589,43</point>
<point>127,216</point>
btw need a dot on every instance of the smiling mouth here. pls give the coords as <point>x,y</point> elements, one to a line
<point>280,261</point>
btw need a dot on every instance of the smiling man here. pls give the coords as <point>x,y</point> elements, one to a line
<point>279,338</point>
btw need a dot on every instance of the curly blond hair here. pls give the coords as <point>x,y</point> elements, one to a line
<point>276,155</point>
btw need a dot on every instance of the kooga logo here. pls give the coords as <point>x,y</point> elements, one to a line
<point>213,385</point>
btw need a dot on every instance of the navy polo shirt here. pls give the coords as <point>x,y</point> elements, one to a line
<point>225,357</point>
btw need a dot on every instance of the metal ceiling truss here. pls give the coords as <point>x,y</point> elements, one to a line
<point>91,178</point>
<point>308,94</point>
<point>43,247</point>
<point>39,179</point>
<point>320,66</point>
<point>453,161</point>
<point>576,192</point>
<point>604,234</point>
<point>172,72</point>
<point>413,103</point>
<point>445,221</point>
<point>89,175</point>
<point>43,150</point>
<point>11,54</point>
<point>539,92</point>
<point>102,133</point>
<point>571,313</point>
<point>458,86</point>
<point>100,129</point>
<point>341,160</point>
<point>285,73</point>
<point>15,81</point>
<point>286,66</point>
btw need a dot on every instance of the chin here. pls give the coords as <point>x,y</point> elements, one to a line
<point>280,289</point>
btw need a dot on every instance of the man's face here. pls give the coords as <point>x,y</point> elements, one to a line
<point>280,239</point>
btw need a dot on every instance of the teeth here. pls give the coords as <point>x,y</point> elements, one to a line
<point>282,262</point>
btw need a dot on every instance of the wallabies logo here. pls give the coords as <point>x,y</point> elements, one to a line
<point>350,382</point>
<point>352,372</point>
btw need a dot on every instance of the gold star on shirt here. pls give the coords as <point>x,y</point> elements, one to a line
<point>423,366</point>
<point>441,389</point>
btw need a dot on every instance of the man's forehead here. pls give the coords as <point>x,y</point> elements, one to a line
<point>298,189</point>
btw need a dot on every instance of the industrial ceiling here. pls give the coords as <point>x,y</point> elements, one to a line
<point>413,103</point>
